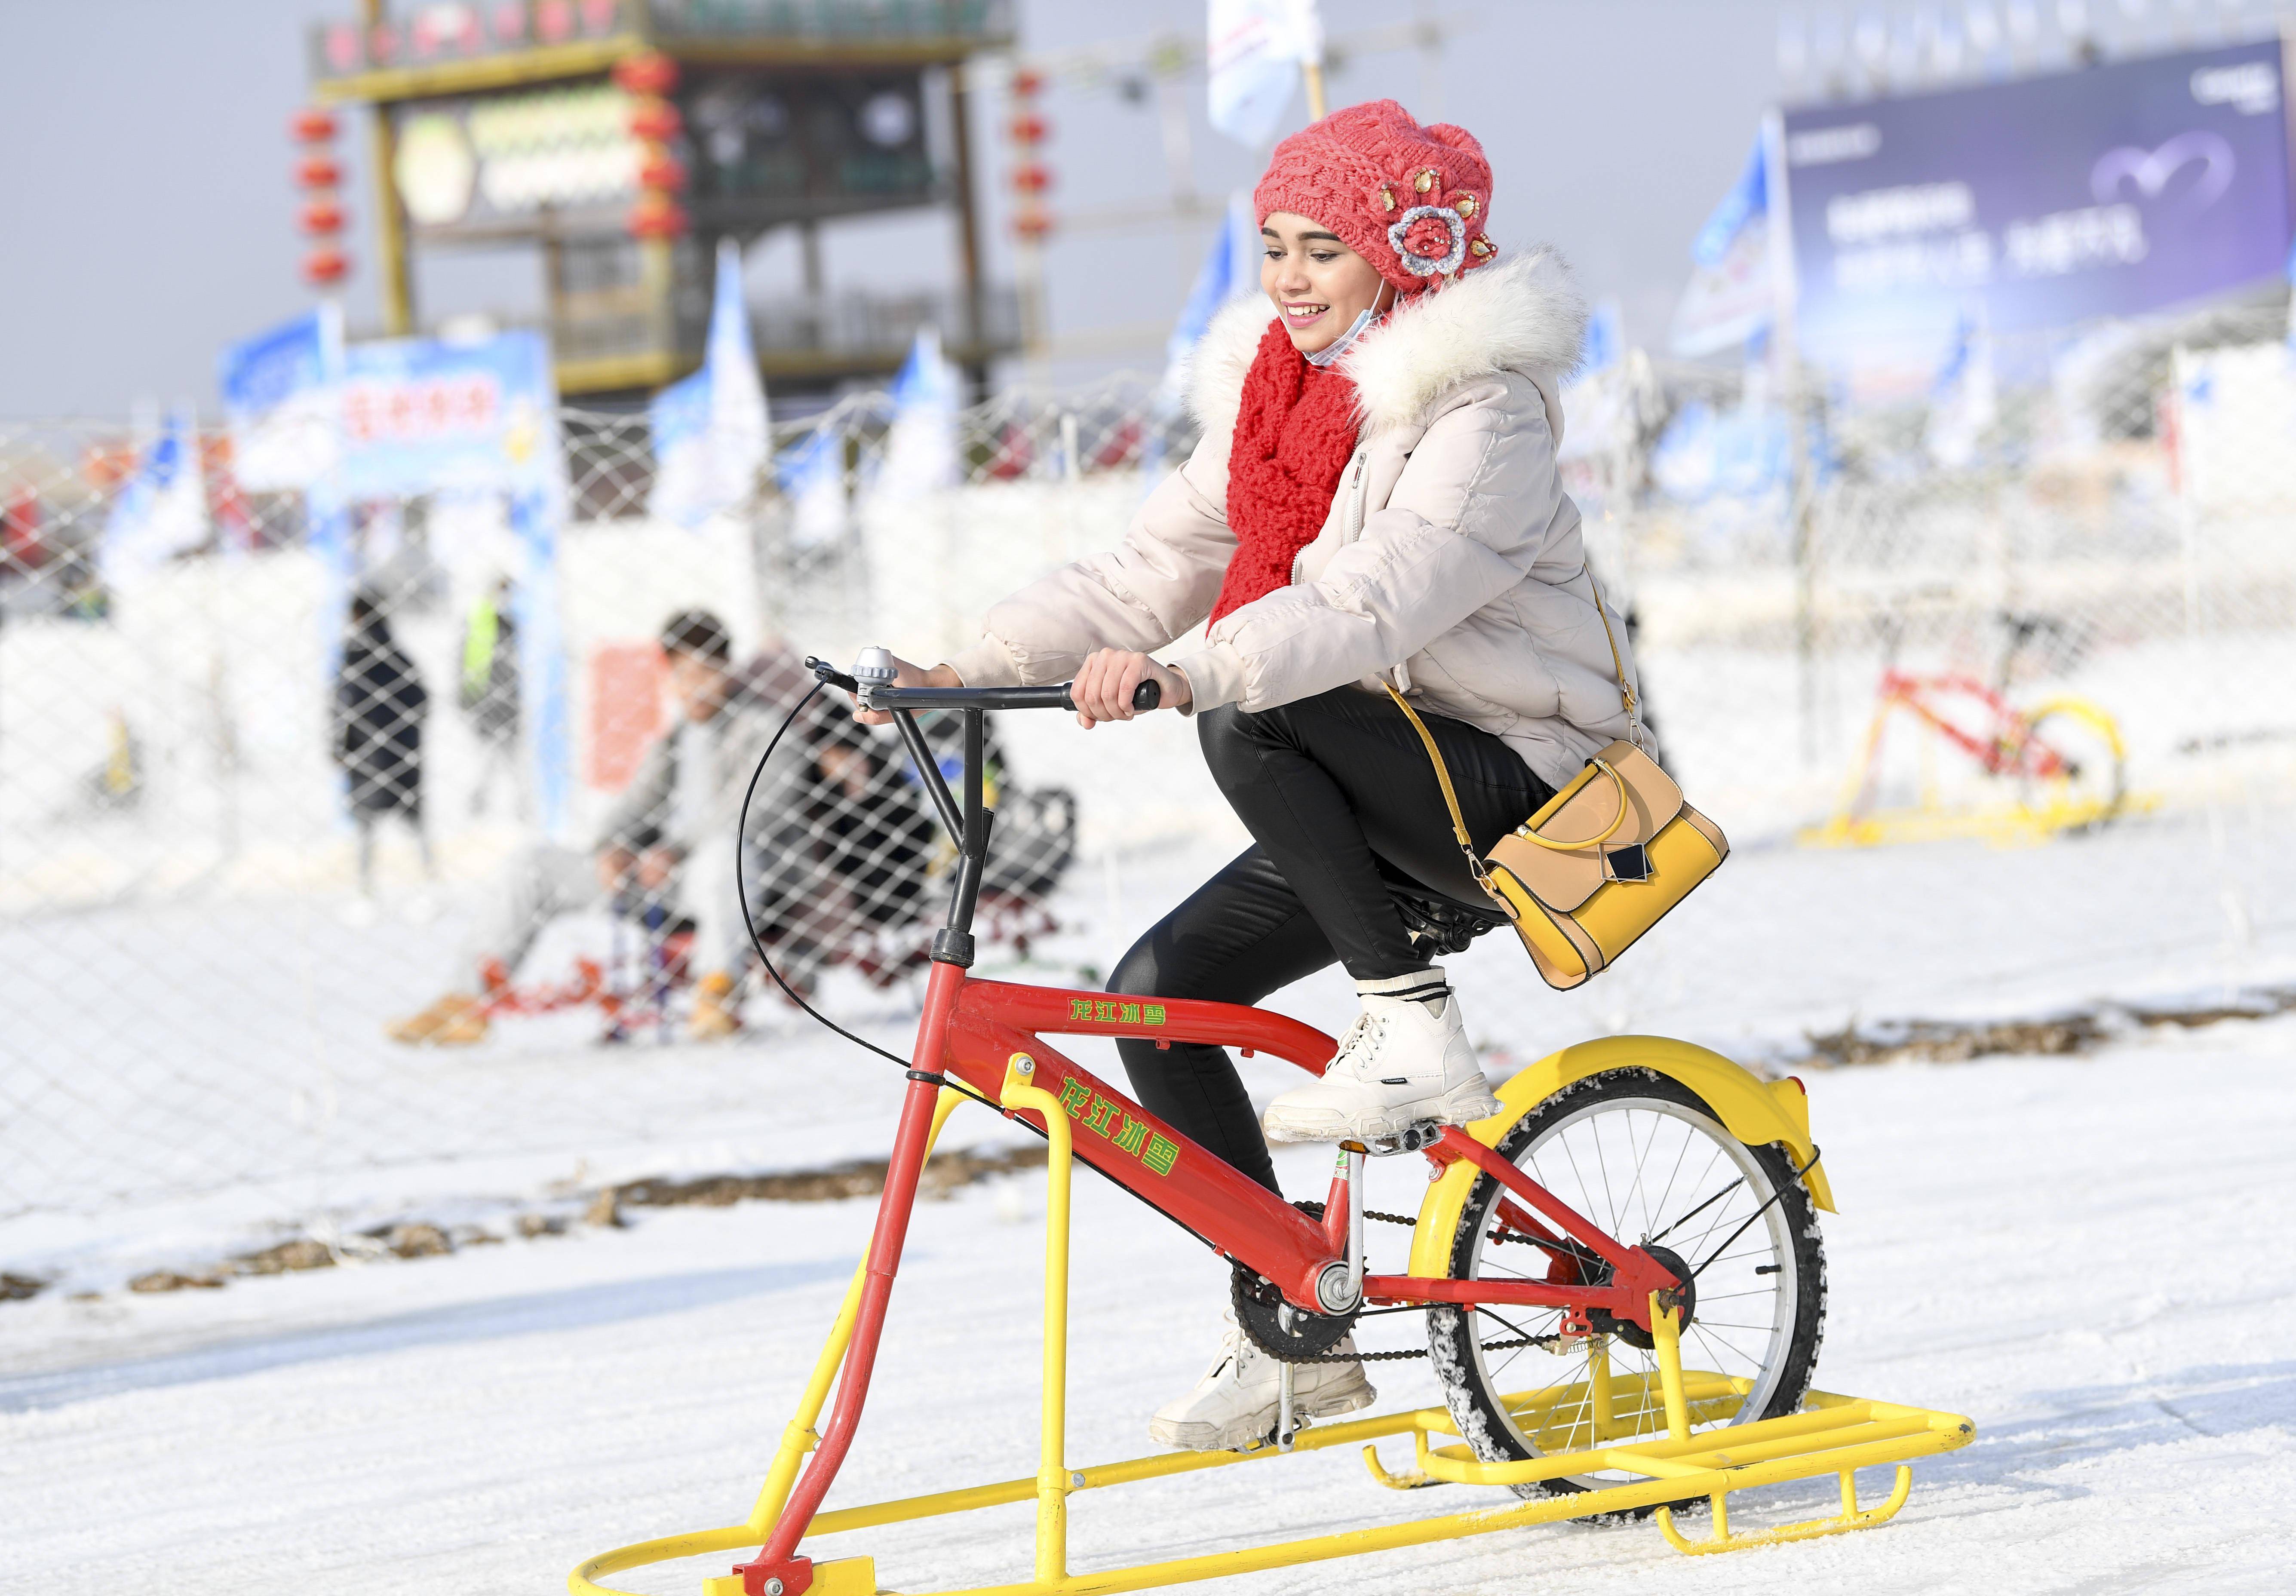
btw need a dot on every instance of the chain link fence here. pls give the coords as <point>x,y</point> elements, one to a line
<point>281,925</point>
<point>2110,523</point>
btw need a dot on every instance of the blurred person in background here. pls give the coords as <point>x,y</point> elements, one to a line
<point>379,709</point>
<point>847,854</point>
<point>669,835</point>
<point>490,692</point>
<point>1374,504</point>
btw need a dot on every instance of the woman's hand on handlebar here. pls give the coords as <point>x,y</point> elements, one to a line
<point>907,676</point>
<point>1105,681</point>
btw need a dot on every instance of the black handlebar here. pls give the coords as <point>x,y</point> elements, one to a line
<point>1145,697</point>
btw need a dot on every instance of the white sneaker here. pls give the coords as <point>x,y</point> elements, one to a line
<point>1403,1060</point>
<point>1234,1405</point>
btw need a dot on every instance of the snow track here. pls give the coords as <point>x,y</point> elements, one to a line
<point>2087,1256</point>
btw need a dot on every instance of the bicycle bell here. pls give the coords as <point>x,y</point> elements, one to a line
<point>873,669</point>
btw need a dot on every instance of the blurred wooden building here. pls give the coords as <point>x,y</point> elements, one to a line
<point>624,138</point>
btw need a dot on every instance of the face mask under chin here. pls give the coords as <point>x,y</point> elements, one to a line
<point>1339,346</point>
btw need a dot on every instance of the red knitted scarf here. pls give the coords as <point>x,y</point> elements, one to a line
<point>1295,432</point>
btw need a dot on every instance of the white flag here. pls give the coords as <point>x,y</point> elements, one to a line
<point>920,445</point>
<point>1964,403</point>
<point>163,510</point>
<point>710,431</point>
<point>812,473</point>
<point>1254,50</point>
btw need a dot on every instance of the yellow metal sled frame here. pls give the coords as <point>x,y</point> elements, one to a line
<point>1833,1435</point>
<point>2020,824</point>
<point>2015,825</point>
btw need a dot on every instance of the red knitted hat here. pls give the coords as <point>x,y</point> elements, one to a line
<point>1412,200</point>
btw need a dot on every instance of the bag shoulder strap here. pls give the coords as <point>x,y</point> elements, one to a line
<point>1451,802</point>
<point>1618,664</point>
<point>1451,797</point>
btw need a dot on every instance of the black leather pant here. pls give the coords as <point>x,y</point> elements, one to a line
<point>1344,810</point>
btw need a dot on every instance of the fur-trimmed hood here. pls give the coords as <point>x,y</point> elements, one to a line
<point>1524,312</point>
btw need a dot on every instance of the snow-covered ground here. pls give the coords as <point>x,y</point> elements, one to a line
<point>2084,1255</point>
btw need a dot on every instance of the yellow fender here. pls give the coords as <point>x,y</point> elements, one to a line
<point>1754,1110</point>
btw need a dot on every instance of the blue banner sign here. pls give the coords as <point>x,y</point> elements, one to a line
<point>422,416</point>
<point>2041,203</point>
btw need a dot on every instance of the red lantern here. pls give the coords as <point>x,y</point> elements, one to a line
<point>1032,226</point>
<point>321,217</point>
<point>553,20</point>
<point>657,216</point>
<point>318,171</point>
<point>312,125</point>
<point>325,264</point>
<point>1028,81</point>
<point>663,174</point>
<point>382,45</point>
<point>1032,178</point>
<point>510,22</point>
<point>1029,128</point>
<point>655,119</point>
<point>653,74</point>
<point>344,48</point>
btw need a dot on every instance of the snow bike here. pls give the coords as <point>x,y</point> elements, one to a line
<point>1592,1375</point>
<point>2063,759</point>
<point>649,964</point>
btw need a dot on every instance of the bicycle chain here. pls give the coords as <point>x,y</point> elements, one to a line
<point>1544,1343</point>
<point>1314,1209</point>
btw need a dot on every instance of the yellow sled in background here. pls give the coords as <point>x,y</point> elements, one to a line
<point>2062,759</point>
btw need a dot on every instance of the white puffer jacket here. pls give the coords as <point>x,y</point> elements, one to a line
<point>1451,562</point>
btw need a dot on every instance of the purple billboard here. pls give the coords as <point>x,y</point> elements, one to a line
<point>2034,204</point>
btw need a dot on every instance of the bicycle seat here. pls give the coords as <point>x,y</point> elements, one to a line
<point>1437,922</point>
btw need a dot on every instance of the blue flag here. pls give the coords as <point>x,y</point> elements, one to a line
<point>1748,197</point>
<point>1219,279</point>
<point>163,510</point>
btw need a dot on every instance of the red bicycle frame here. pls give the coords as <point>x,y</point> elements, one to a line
<point>2012,749</point>
<point>970,1031</point>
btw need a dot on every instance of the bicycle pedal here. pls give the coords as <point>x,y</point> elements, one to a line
<point>1416,1137</point>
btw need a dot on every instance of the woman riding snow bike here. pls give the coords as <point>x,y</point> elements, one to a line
<point>1616,1257</point>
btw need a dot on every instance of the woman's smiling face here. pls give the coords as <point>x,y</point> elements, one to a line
<point>1318,284</point>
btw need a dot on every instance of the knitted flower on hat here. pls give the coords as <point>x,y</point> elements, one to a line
<point>1411,200</point>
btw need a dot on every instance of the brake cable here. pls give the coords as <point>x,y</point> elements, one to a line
<point>749,923</point>
<point>1757,1214</point>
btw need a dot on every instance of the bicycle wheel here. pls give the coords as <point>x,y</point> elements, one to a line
<point>2073,770</point>
<point>1643,1157</point>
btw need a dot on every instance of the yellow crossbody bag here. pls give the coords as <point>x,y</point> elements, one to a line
<point>1601,861</point>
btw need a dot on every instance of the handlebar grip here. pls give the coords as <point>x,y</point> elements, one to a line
<point>1145,697</point>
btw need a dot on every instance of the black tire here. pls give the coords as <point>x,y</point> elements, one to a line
<point>1623,1110</point>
